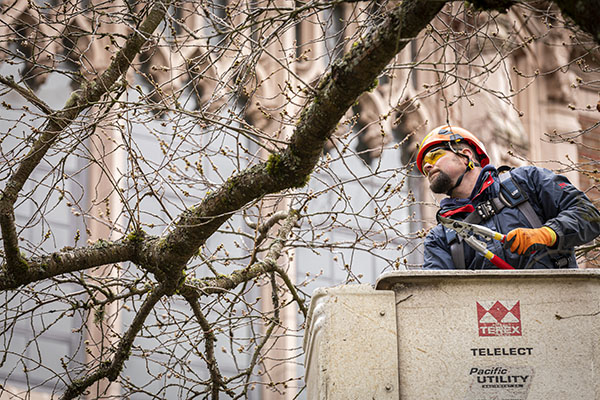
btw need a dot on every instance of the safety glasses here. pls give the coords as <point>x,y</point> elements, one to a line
<point>433,156</point>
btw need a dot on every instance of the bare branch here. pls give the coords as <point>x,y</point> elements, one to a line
<point>112,369</point>
<point>27,94</point>
<point>71,260</point>
<point>336,92</point>
<point>79,101</point>
<point>209,345</point>
<point>226,283</point>
<point>292,289</point>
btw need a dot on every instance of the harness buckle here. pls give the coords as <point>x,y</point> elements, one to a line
<point>486,209</point>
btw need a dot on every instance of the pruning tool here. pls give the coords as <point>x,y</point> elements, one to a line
<point>468,231</point>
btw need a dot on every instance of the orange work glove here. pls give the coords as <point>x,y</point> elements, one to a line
<point>526,241</point>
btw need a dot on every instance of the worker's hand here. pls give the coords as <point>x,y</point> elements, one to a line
<point>526,241</point>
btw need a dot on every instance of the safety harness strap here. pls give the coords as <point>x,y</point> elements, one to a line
<point>511,195</point>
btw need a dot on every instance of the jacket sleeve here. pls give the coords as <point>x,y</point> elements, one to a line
<point>564,208</point>
<point>436,250</point>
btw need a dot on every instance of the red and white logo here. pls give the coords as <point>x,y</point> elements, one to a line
<point>499,318</point>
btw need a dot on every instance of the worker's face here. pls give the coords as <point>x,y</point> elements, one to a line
<point>442,168</point>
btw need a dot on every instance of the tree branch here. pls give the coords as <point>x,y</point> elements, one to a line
<point>209,345</point>
<point>585,14</point>
<point>112,369</point>
<point>254,360</point>
<point>226,283</point>
<point>27,94</point>
<point>292,289</point>
<point>16,265</point>
<point>263,230</point>
<point>70,260</point>
<point>335,93</point>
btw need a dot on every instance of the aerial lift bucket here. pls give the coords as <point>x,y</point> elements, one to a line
<point>472,335</point>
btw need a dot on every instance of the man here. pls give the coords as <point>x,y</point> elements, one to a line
<point>543,215</point>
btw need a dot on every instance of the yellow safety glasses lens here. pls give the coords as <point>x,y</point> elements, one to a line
<point>433,156</point>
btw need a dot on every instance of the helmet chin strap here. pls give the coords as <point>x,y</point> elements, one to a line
<point>460,178</point>
<point>470,166</point>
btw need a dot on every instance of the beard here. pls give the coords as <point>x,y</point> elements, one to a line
<point>441,183</point>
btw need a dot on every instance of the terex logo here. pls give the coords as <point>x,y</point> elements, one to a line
<point>499,318</point>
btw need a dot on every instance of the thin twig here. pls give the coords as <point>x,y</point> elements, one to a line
<point>27,94</point>
<point>292,289</point>
<point>209,346</point>
<point>112,369</point>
